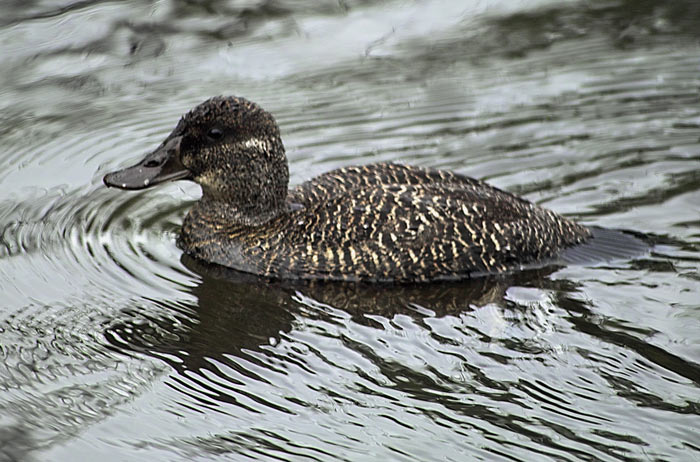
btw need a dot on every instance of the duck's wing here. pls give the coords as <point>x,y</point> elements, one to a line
<point>434,230</point>
<point>387,175</point>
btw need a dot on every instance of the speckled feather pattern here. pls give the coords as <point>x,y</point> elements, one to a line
<point>386,222</point>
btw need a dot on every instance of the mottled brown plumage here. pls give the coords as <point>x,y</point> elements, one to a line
<point>378,222</point>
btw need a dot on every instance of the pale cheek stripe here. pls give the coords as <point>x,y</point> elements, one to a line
<point>256,143</point>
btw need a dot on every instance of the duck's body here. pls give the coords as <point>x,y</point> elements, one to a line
<point>379,222</point>
<point>385,222</point>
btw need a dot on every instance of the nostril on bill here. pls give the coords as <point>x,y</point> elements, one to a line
<point>153,163</point>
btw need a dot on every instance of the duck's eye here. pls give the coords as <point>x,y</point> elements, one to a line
<point>215,133</point>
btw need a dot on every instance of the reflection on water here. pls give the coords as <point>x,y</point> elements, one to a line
<point>115,345</point>
<point>235,311</point>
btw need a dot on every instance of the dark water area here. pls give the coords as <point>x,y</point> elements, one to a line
<point>114,346</point>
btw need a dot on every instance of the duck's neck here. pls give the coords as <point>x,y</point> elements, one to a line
<point>215,231</point>
<point>246,193</point>
<point>226,215</point>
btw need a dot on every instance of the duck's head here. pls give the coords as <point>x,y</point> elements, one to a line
<point>230,146</point>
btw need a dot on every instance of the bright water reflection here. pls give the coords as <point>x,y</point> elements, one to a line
<point>115,346</point>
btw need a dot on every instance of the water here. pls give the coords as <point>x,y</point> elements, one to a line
<point>115,346</point>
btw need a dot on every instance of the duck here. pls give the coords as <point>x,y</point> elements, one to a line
<point>380,222</point>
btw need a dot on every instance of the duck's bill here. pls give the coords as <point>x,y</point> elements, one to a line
<point>160,166</point>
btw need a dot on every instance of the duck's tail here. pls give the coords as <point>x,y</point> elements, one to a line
<point>606,245</point>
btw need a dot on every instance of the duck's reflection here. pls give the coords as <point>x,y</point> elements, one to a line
<point>234,311</point>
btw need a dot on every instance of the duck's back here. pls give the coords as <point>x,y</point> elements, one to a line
<point>389,222</point>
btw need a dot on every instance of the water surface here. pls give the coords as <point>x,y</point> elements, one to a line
<point>115,346</point>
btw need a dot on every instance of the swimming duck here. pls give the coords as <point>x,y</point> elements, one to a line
<point>377,222</point>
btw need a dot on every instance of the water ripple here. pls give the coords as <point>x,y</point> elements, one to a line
<point>113,342</point>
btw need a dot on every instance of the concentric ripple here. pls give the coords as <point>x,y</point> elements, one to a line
<point>69,261</point>
<point>109,240</point>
